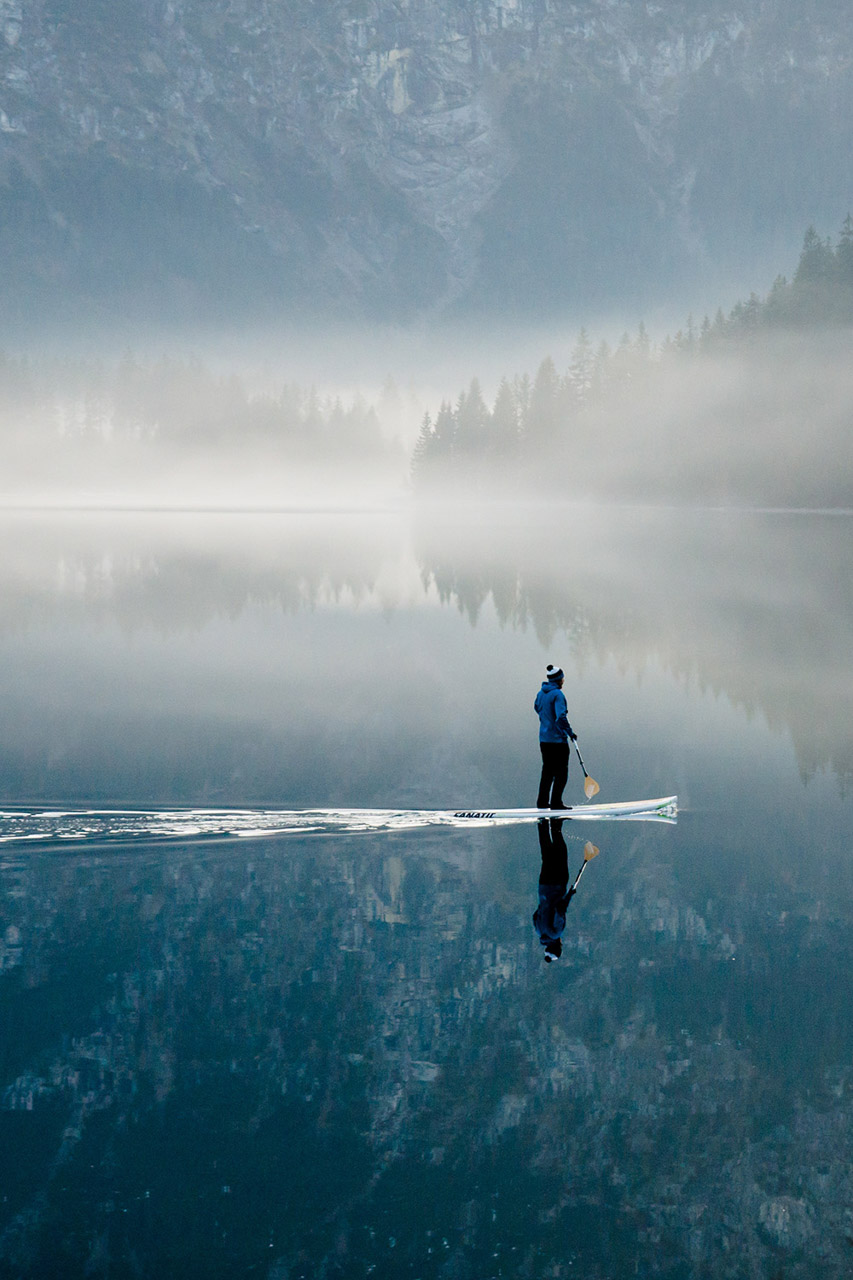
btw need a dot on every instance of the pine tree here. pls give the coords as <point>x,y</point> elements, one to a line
<point>777,304</point>
<point>522,390</point>
<point>812,292</point>
<point>750,318</point>
<point>445,435</point>
<point>816,261</point>
<point>844,253</point>
<point>423,456</point>
<point>505,426</point>
<point>685,339</point>
<point>544,413</point>
<point>472,422</point>
<point>582,367</point>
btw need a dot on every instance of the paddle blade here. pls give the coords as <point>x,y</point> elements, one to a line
<point>590,851</point>
<point>590,787</point>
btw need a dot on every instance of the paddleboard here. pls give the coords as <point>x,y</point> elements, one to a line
<point>664,806</point>
<point>92,826</point>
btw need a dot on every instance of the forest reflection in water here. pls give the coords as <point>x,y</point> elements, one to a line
<point>224,635</point>
<point>345,1054</point>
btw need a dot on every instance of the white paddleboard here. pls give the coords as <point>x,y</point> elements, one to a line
<point>664,807</point>
<point>95,825</point>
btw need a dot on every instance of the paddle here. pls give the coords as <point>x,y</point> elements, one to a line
<point>589,852</point>
<point>590,786</point>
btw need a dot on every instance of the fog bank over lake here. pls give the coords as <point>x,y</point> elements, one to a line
<point>732,416</point>
<point>192,651</point>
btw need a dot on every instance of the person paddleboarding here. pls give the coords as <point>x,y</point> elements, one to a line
<point>555,737</point>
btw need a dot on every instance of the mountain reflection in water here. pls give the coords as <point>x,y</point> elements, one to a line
<point>339,1054</point>
<point>320,1057</point>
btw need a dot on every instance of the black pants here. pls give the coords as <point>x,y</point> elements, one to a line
<point>555,772</point>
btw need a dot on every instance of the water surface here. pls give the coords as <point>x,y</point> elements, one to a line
<point>342,1053</point>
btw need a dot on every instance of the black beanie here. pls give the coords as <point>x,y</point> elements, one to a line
<point>554,673</point>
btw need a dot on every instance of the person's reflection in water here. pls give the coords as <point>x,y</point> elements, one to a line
<point>549,918</point>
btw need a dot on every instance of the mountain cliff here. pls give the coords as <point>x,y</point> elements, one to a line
<point>401,157</point>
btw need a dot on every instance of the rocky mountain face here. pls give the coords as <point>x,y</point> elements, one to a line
<point>401,157</point>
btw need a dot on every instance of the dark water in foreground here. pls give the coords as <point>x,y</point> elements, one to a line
<point>341,1053</point>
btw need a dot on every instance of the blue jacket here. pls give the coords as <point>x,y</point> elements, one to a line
<point>549,918</point>
<point>553,714</point>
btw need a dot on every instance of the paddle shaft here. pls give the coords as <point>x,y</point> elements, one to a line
<point>590,786</point>
<point>578,877</point>
<point>580,757</point>
<point>589,852</point>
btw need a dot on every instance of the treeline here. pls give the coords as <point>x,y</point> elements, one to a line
<point>175,402</point>
<point>536,425</point>
<point>819,295</point>
<point>469,443</point>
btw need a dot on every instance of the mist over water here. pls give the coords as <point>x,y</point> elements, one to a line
<point>342,1051</point>
<point>733,415</point>
<point>212,657</point>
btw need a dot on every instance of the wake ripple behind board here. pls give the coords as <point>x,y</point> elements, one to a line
<point>94,826</point>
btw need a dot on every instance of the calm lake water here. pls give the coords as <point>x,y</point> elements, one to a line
<point>343,1054</point>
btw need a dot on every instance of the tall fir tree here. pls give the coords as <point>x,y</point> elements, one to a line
<point>472,422</point>
<point>582,367</point>
<point>445,433</point>
<point>816,261</point>
<point>505,424</point>
<point>543,420</point>
<point>424,457</point>
<point>844,254</point>
<point>522,391</point>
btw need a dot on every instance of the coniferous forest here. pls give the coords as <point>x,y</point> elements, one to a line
<point>749,407</point>
<point>752,406</point>
<point>76,428</point>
